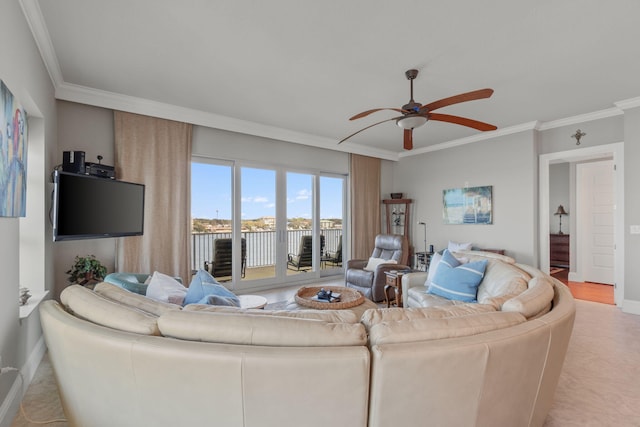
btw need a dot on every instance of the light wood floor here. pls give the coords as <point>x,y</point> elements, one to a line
<point>587,291</point>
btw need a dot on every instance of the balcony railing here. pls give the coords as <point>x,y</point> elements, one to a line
<point>260,245</point>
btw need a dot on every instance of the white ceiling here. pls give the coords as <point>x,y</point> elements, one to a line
<point>298,69</point>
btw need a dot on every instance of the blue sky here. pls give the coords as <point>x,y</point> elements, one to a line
<point>211,193</point>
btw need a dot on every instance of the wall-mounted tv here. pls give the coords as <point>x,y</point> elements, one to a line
<point>88,207</point>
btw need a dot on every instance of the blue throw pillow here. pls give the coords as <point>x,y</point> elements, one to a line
<point>202,285</point>
<point>458,283</point>
<point>449,259</point>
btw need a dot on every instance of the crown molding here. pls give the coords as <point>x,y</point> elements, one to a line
<point>81,94</point>
<point>581,118</point>
<point>471,139</point>
<point>626,104</point>
<point>130,104</point>
<point>35,20</point>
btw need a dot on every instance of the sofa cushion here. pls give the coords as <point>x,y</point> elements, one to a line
<point>434,329</point>
<point>502,279</point>
<point>91,306</point>
<point>331,316</point>
<point>251,329</point>
<point>379,315</point>
<point>534,300</point>
<point>457,281</point>
<point>131,299</point>
<point>165,288</point>
<point>204,284</point>
<point>419,297</point>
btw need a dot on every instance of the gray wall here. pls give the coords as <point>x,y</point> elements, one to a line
<point>23,72</point>
<point>89,129</point>
<point>506,163</point>
<point>510,163</point>
<point>632,205</point>
<point>220,144</point>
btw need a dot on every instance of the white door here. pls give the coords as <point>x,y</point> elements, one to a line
<point>595,215</point>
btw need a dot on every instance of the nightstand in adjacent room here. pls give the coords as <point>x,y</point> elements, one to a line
<point>559,250</point>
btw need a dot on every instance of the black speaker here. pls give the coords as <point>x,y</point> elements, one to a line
<point>73,161</point>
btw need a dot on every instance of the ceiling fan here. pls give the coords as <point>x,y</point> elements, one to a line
<point>415,114</point>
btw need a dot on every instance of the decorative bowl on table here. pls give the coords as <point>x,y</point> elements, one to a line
<point>307,297</point>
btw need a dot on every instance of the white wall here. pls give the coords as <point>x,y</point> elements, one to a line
<point>23,72</point>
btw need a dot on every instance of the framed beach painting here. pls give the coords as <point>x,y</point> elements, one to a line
<point>471,205</point>
<point>13,155</point>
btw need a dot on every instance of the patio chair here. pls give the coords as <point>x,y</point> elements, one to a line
<point>222,264</point>
<point>304,258</point>
<point>335,258</point>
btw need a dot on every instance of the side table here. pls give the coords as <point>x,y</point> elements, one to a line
<point>394,282</point>
<point>252,301</point>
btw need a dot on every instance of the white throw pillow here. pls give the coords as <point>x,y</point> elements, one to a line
<point>433,266</point>
<point>375,262</point>
<point>166,289</point>
<point>457,247</point>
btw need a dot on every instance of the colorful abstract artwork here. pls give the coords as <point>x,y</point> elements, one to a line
<point>467,205</point>
<point>13,155</point>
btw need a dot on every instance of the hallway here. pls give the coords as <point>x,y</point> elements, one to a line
<point>586,291</point>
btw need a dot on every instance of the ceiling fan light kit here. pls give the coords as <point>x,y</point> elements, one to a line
<point>412,121</point>
<point>415,114</point>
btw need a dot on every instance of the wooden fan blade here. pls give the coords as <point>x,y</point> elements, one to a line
<point>370,126</point>
<point>463,97</point>
<point>408,139</point>
<point>462,121</point>
<point>366,113</point>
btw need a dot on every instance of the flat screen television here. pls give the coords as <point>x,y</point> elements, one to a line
<point>88,207</point>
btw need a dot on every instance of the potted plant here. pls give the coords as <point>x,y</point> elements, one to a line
<point>86,270</point>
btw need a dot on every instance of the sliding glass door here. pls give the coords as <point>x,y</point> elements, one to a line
<point>257,226</point>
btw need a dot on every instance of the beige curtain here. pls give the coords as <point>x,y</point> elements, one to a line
<point>365,204</point>
<point>157,153</point>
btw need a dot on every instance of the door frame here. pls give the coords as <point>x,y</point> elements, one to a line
<point>545,160</point>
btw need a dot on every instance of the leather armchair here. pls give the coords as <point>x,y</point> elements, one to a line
<point>371,283</point>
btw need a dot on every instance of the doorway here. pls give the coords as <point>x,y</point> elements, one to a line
<point>614,151</point>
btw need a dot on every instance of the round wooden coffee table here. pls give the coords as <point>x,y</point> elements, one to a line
<point>348,297</point>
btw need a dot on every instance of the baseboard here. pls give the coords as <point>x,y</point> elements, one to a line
<point>11,403</point>
<point>574,277</point>
<point>631,306</point>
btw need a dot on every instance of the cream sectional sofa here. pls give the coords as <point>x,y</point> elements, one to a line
<point>122,359</point>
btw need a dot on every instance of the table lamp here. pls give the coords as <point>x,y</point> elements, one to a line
<point>560,211</point>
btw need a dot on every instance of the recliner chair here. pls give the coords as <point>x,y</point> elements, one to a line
<point>371,283</point>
